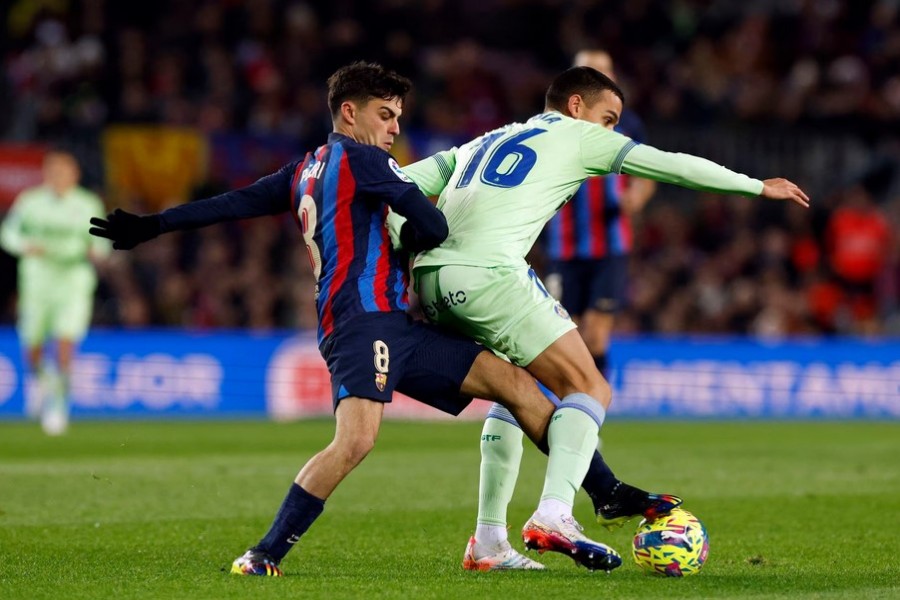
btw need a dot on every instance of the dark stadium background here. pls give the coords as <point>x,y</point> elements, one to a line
<point>806,89</point>
<point>756,371</point>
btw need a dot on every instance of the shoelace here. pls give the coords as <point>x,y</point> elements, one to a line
<point>509,556</point>
<point>570,521</point>
<point>514,559</point>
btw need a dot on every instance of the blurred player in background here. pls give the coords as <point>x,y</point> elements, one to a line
<point>590,238</point>
<point>498,191</point>
<point>46,230</point>
<point>340,195</point>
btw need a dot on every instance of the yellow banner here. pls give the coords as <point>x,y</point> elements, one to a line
<point>155,166</point>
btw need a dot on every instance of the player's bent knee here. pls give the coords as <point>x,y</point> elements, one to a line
<point>355,452</point>
<point>352,451</point>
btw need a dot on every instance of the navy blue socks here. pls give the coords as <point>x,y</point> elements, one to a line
<point>599,481</point>
<point>297,513</point>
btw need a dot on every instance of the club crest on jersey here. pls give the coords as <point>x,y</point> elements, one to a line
<point>380,381</point>
<point>562,312</point>
<point>398,171</point>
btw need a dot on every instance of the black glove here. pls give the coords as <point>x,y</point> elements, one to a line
<point>408,237</point>
<point>414,242</point>
<point>126,230</point>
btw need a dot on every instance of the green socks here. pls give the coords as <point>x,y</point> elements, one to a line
<point>573,440</point>
<point>501,453</point>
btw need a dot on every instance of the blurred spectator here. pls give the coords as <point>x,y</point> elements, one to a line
<point>819,81</point>
<point>858,243</point>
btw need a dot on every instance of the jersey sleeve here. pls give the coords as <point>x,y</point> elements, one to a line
<point>378,175</point>
<point>432,174</point>
<point>602,150</point>
<point>11,237</point>
<point>688,171</point>
<point>270,195</point>
<point>394,223</point>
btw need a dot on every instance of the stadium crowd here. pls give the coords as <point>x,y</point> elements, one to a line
<point>705,266</point>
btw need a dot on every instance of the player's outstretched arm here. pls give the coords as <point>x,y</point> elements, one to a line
<point>267,196</point>
<point>699,173</point>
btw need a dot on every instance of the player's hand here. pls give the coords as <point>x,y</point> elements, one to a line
<point>126,230</point>
<point>782,189</point>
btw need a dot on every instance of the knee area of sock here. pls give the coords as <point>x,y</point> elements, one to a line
<point>586,404</point>
<point>587,379</point>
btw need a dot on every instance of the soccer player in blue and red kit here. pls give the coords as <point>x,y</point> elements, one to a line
<point>340,195</point>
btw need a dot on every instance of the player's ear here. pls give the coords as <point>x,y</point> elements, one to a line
<point>575,105</point>
<point>348,112</point>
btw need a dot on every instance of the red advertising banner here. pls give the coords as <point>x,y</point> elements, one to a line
<point>20,168</point>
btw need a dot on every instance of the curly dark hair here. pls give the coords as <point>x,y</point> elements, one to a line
<point>361,81</point>
<point>585,81</point>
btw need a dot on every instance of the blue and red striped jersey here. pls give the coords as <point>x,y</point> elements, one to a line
<point>340,194</point>
<point>592,225</point>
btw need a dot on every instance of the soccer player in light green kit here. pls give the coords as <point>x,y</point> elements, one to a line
<point>46,228</point>
<point>497,192</point>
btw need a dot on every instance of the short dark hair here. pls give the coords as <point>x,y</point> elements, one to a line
<point>361,81</point>
<point>587,82</point>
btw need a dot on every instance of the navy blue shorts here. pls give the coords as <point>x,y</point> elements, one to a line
<point>595,284</point>
<point>377,353</point>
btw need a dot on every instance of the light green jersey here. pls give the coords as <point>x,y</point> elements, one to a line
<point>50,236</point>
<point>499,190</point>
<point>506,185</point>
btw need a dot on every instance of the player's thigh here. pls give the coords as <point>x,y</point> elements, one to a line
<point>507,309</point>
<point>566,367</point>
<point>35,318</point>
<point>436,371</point>
<point>72,317</point>
<point>357,422</point>
<point>365,357</point>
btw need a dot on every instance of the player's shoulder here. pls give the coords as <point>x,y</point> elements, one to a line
<point>559,125</point>
<point>362,152</point>
<point>31,194</point>
<point>367,160</point>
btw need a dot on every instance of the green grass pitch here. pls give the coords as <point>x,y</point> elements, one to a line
<point>159,510</point>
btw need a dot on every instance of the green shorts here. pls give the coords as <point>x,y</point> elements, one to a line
<point>55,316</point>
<point>507,309</point>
